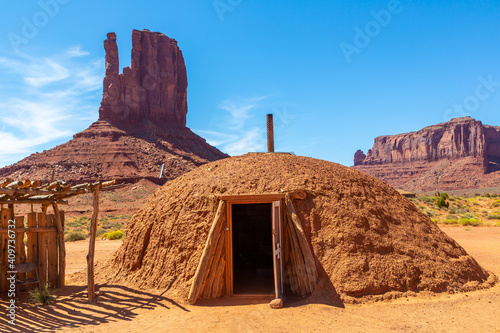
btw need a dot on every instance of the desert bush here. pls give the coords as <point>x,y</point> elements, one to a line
<point>494,217</point>
<point>118,234</point>
<point>44,295</point>
<point>470,221</point>
<point>442,202</point>
<point>452,217</point>
<point>428,199</point>
<point>101,232</point>
<point>82,219</point>
<point>498,224</point>
<point>74,236</point>
<point>449,221</point>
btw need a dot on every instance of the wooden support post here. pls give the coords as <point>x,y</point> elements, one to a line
<point>32,246</point>
<point>4,222</point>
<point>208,252</point>
<point>42,250</point>
<point>52,262</point>
<point>307,266</point>
<point>59,219</point>
<point>90,256</point>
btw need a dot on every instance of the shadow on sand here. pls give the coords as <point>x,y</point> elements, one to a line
<point>71,308</point>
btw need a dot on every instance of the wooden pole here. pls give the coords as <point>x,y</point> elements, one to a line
<point>90,256</point>
<point>310,274</point>
<point>213,235</point>
<point>62,246</point>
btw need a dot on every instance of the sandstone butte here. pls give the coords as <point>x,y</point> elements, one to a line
<point>459,154</point>
<point>141,125</point>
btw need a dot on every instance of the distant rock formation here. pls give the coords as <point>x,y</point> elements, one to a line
<point>461,153</point>
<point>141,125</point>
<point>153,88</point>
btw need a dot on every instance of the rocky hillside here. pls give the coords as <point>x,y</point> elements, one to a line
<point>141,125</point>
<point>461,153</point>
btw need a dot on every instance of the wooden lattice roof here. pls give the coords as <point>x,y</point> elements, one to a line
<point>34,192</point>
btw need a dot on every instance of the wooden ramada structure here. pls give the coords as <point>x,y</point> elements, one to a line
<point>44,232</point>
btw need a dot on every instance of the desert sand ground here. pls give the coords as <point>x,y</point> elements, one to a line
<point>121,309</point>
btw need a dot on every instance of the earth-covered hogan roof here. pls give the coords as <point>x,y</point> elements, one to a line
<point>368,241</point>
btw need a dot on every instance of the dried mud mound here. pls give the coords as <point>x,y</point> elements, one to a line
<point>367,239</point>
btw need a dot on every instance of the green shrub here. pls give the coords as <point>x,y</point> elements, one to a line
<point>494,217</point>
<point>449,221</point>
<point>45,295</point>
<point>498,224</point>
<point>101,232</point>
<point>118,234</point>
<point>473,222</point>
<point>74,236</point>
<point>441,202</point>
<point>428,199</point>
<point>452,217</point>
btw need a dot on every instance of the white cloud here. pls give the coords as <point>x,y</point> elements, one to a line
<point>77,51</point>
<point>216,138</point>
<point>250,141</point>
<point>32,113</point>
<point>238,134</point>
<point>240,110</point>
<point>48,71</point>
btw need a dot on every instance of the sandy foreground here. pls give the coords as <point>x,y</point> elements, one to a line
<point>122,309</point>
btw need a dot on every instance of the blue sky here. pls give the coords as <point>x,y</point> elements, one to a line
<point>336,74</point>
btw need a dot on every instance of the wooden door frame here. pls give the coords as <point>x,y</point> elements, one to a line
<point>245,199</point>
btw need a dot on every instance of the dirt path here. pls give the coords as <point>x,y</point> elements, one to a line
<point>122,309</point>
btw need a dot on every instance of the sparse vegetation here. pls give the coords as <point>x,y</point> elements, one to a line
<point>118,234</point>
<point>442,202</point>
<point>44,295</point>
<point>74,236</point>
<point>460,210</point>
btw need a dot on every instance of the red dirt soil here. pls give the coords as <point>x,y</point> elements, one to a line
<point>369,242</point>
<point>122,309</point>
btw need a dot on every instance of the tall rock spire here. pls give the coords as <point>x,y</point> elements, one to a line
<point>152,90</point>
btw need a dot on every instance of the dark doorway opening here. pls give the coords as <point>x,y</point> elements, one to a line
<point>253,271</point>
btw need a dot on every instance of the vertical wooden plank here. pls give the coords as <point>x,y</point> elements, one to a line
<point>20,253</point>
<point>61,248</point>
<point>32,246</point>
<point>42,250</point>
<point>52,253</point>
<point>4,218</point>
<point>210,248</point>
<point>90,256</point>
<point>307,266</point>
<point>277,252</point>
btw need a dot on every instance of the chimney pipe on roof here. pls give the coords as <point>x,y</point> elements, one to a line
<point>270,133</point>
